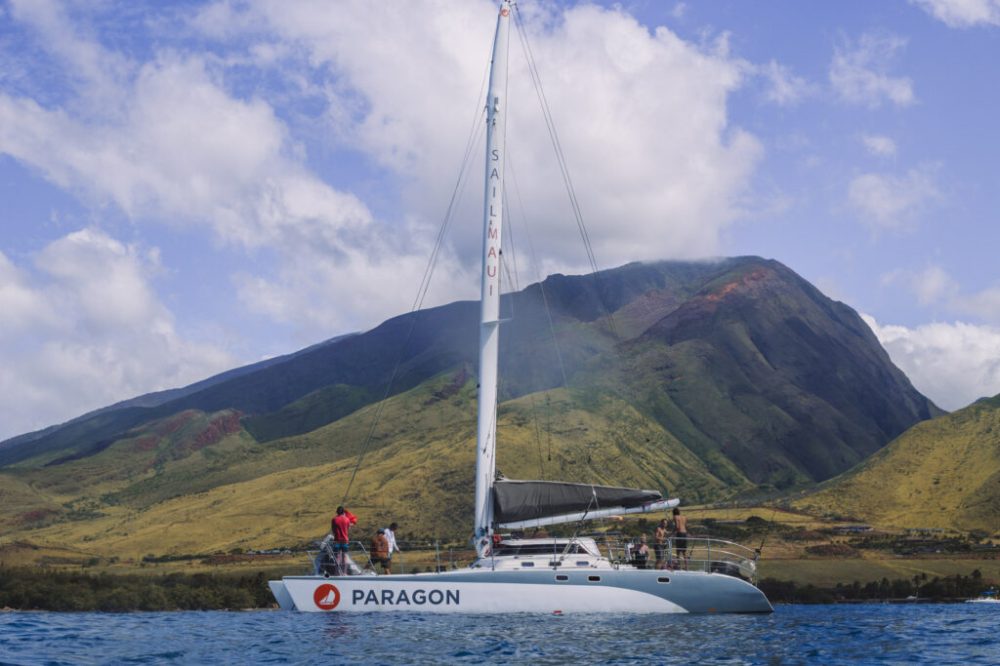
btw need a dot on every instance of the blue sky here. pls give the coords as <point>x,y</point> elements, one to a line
<point>190,186</point>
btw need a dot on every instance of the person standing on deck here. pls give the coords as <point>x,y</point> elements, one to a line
<point>660,543</point>
<point>341,527</point>
<point>390,536</point>
<point>380,552</point>
<point>680,536</point>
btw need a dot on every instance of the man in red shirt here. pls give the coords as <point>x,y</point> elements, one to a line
<point>340,526</point>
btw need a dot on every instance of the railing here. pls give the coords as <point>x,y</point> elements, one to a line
<point>691,553</point>
<point>698,554</point>
<point>414,557</point>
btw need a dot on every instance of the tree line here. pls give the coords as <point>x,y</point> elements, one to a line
<point>33,589</point>
<point>919,587</point>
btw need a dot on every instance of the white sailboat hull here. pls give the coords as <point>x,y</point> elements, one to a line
<point>547,591</point>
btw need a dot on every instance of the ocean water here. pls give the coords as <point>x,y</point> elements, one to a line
<point>842,634</point>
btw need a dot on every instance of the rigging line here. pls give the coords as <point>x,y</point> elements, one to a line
<point>767,532</point>
<point>512,172</point>
<point>517,288</point>
<point>538,272</point>
<point>553,134</point>
<point>473,139</point>
<point>563,166</point>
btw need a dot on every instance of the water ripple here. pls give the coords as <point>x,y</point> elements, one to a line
<point>876,634</point>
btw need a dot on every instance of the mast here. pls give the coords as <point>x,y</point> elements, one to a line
<point>489,323</point>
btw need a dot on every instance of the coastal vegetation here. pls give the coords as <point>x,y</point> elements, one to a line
<point>734,385</point>
<point>59,590</point>
<point>55,590</point>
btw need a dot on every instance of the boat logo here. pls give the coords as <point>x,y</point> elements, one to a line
<point>504,11</point>
<point>326,597</point>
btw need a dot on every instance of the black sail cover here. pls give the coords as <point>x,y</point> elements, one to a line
<point>515,501</point>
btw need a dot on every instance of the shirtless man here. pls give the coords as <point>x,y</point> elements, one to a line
<point>680,536</point>
<point>660,542</point>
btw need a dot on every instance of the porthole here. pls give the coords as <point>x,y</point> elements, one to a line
<point>562,577</point>
<point>663,579</point>
<point>594,579</point>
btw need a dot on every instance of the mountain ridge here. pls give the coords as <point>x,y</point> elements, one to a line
<point>705,378</point>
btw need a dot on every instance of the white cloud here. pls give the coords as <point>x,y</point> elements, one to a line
<point>859,74</point>
<point>962,13</point>
<point>641,117</point>
<point>784,89</point>
<point>952,364</point>
<point>879,145</point>
<point>933,285</point>
<point>888,201</point>
<point>984,304</point>
<point>83,328</point>
<point>178,136</point>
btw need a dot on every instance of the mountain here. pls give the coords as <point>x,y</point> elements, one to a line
<point>701,378</point>
<point>940,474</point>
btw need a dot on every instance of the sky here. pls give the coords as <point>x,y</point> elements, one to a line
<point>188,187</point>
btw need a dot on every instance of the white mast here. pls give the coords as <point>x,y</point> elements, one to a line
<point>489,331</point>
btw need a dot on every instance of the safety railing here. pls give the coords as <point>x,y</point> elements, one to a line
<point>414,557</point>
<point>690,553</point>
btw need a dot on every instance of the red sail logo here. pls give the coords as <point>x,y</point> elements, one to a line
<point>504,11</point>
<point>326,597</point>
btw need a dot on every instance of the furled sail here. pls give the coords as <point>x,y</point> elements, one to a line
<point>524,503</point>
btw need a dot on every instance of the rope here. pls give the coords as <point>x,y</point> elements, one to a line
<point>477,128</point>
<point>563,167</point>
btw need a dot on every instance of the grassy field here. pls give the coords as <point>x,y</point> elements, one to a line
<point>829,572</point>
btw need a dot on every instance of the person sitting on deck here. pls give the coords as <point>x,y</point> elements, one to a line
<point>640,556</point>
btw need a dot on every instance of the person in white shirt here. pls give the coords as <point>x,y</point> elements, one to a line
<point>390,535</point>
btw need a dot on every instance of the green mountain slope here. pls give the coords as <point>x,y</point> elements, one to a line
<point>233,492</point>
<point>704,379</point>
<point>942,474</point>
<point>762,369</point>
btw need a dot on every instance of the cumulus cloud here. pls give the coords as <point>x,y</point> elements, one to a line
<point>641,116</point>
<point>83,328</point>
<point>984,304</point>
<point>962,13</point>
<point>859,73</point>
<point>784,87</point>
<point>181,135</point>
<point>178,148</point>
<point>933,284</point>
<point>890,201</point>
<point>952,364</point>
<point>881,146</point>
<point>657,166</point>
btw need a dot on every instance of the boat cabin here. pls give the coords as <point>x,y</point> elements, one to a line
<point>574,553</point>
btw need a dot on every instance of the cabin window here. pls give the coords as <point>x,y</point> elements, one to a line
<point>562,577</point>
<point>663,579</point>
<point>555,563</point>
<point>583,564</point>
<point>527,564</point>
<point>594,579</point>
<point>548,548</point>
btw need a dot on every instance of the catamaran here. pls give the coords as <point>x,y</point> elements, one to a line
<point>550,575</point>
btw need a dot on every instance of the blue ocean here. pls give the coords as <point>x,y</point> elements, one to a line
<point>841,634</point>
